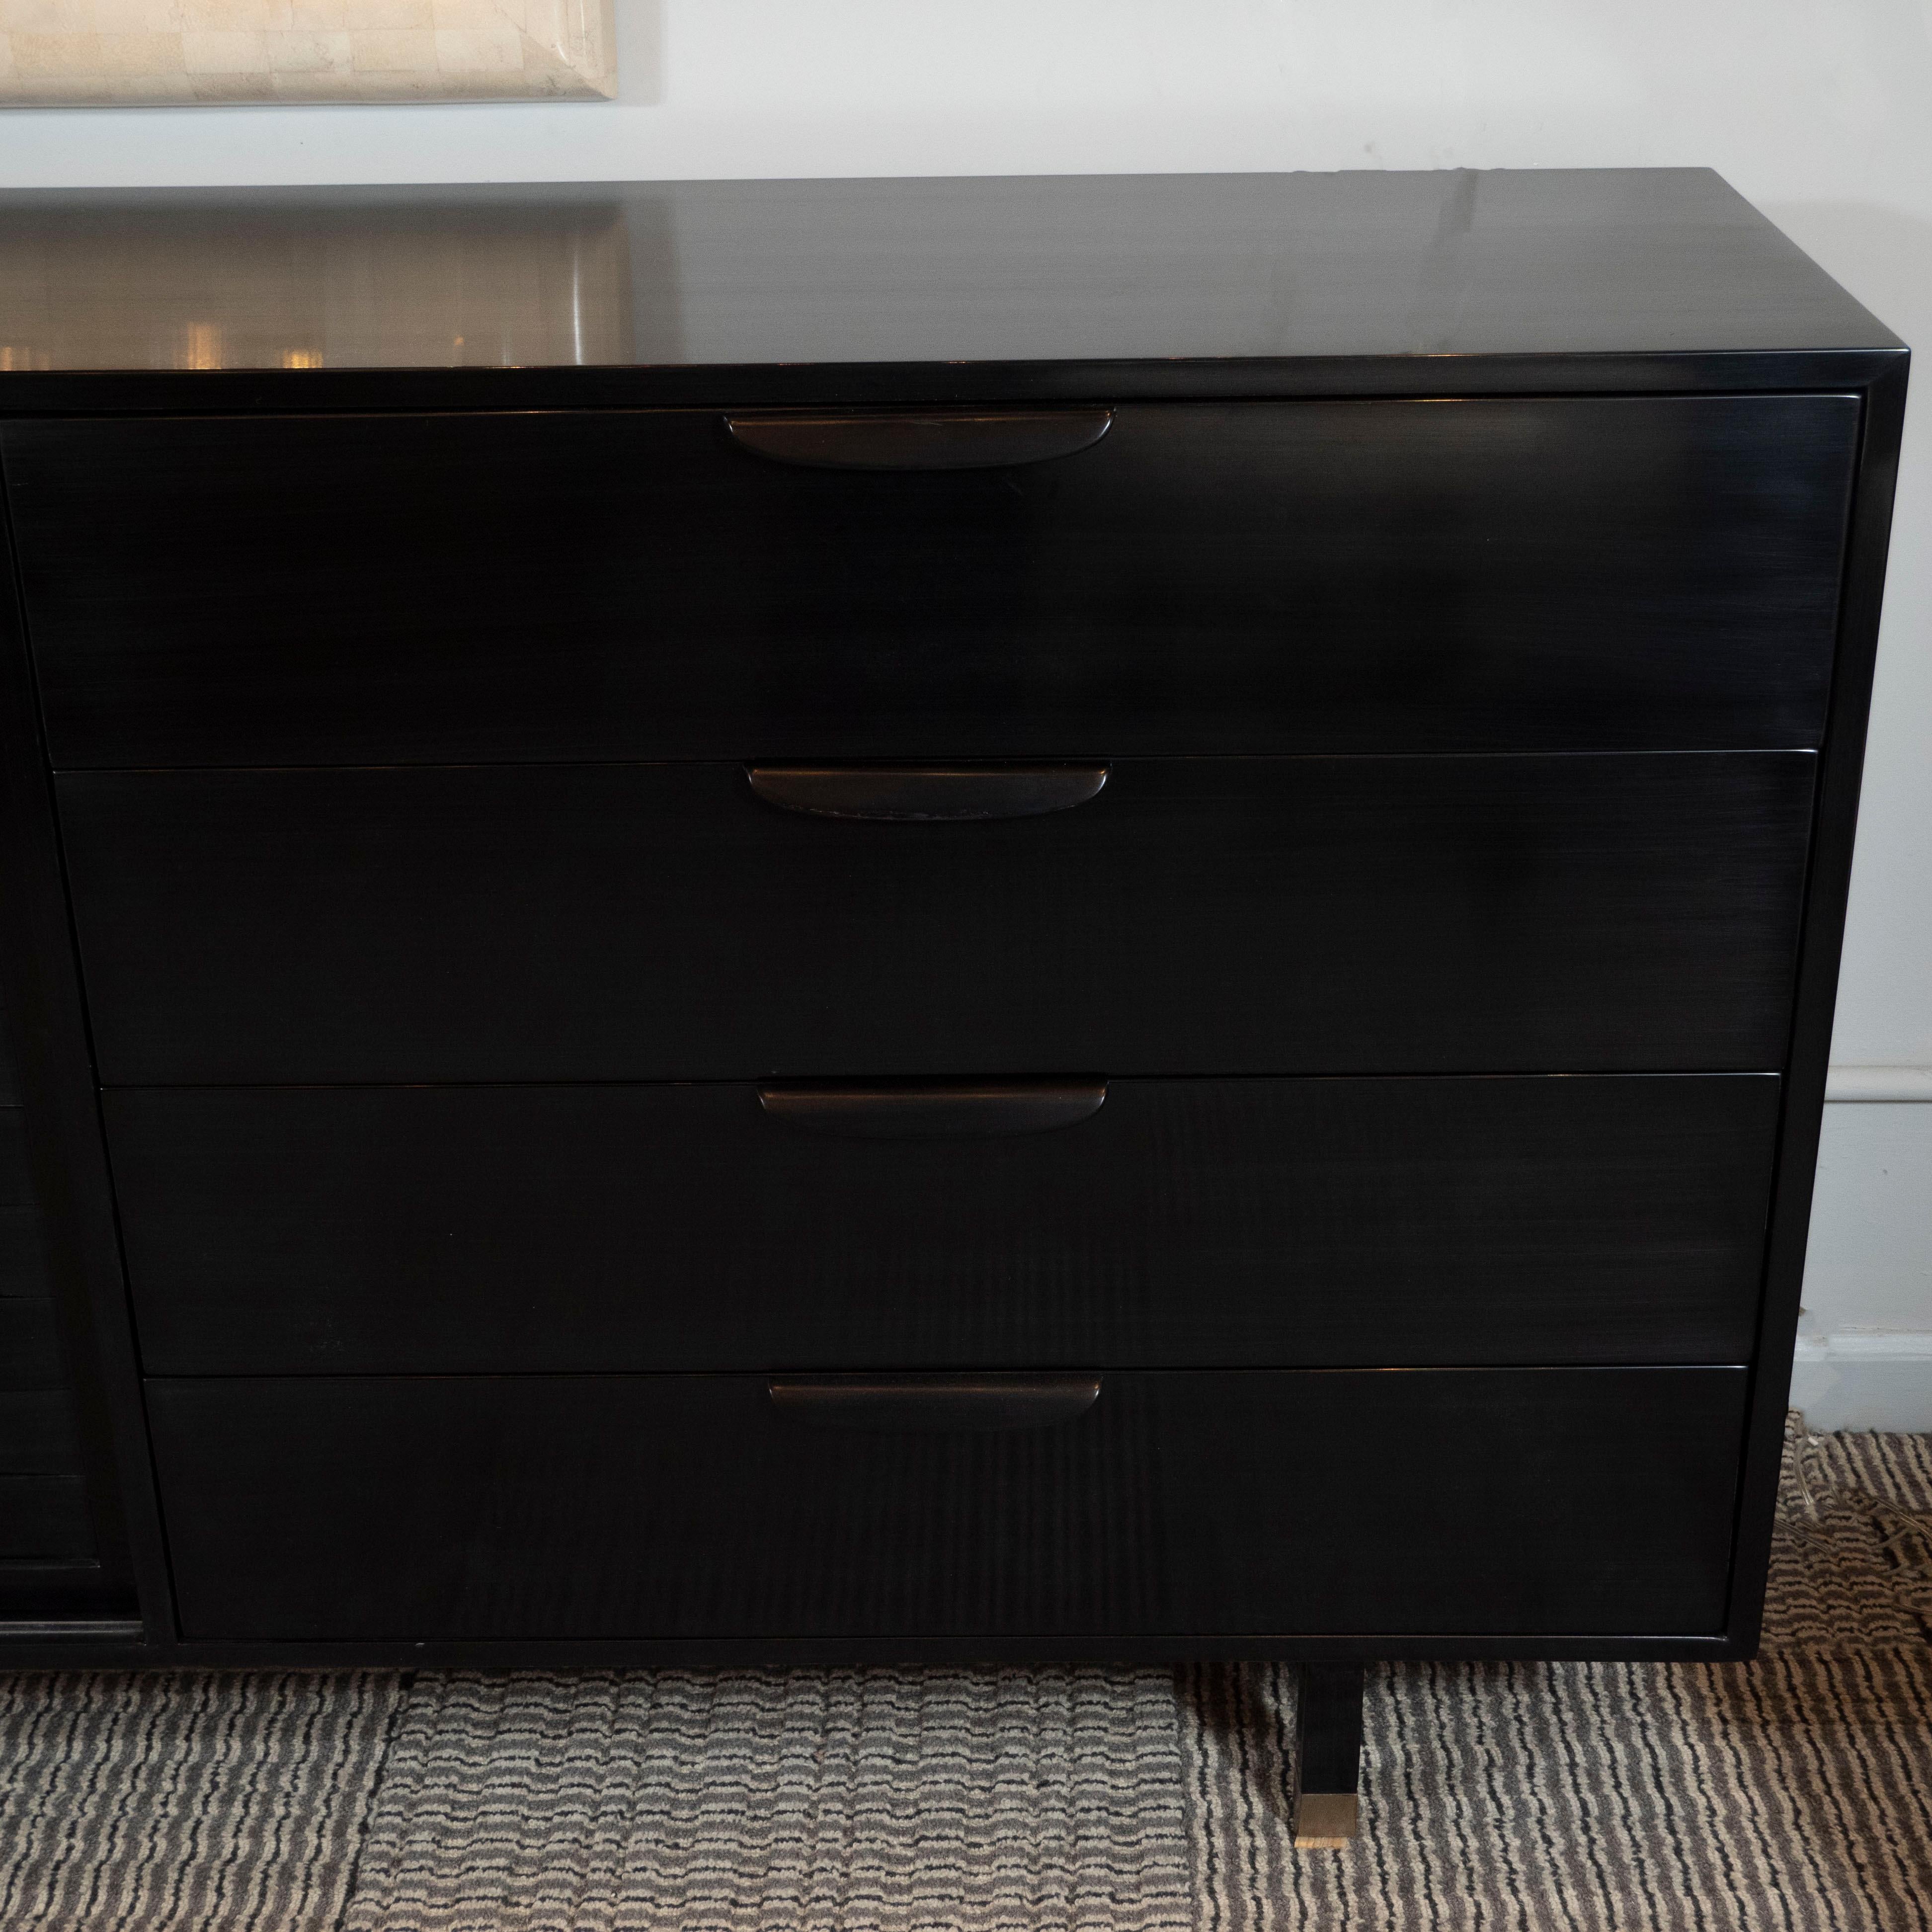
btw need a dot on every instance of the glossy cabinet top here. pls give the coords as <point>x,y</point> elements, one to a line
<point>1006,270</point>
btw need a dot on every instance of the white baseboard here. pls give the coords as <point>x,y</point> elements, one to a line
<point>1878,1083</point>
<point>1879,1380</point>
<point>1865,1351</point>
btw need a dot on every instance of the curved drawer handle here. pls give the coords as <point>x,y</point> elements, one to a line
<point>994,440</point>
<point>932,1404</point>
<point>925,793</point>
<point>953,1111</point>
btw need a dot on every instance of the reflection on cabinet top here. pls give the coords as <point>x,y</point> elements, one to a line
<point>1177,273</point>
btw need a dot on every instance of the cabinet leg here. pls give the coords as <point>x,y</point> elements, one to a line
<point>1328,1753</point>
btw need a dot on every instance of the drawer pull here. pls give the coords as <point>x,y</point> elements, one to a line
<point>935,1403</point>
<point>909,794</point>
<point>997,440</point>
<point>934,1112</point>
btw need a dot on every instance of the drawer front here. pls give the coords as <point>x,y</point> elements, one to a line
<point>1185,1222</point>
<point>1531,1502</point>
<point>1648,572</point>
<point>647,922</point>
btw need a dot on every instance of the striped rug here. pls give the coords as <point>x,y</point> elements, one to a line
<point>1794,1795</point>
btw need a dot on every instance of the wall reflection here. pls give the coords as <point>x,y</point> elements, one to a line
<point>317,279</point>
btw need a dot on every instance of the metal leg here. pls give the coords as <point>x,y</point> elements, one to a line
<point>1328,1753</point>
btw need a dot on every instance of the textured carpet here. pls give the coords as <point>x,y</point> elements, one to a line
<point>157,1801</point>
<point>1794,1794</point>
<point>807,1800</point>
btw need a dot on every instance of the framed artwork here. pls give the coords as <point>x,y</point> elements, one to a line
<point>147,52</point>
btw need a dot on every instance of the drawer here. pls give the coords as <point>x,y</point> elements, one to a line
<point>1580,914</point>
<point>1520,1502</point>
<point>1181,1222</point>
<point>1603,573</point>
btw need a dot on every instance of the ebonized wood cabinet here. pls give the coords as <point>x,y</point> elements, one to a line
<point>971,919</point>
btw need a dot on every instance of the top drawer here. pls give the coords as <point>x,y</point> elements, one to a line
<point>1608,573</point>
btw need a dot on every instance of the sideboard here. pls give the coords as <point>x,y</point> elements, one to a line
<point>890,920</point>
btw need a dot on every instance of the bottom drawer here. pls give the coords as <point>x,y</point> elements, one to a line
<point>1564,1501</point>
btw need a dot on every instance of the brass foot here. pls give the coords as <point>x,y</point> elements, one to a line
<point>1325,1821</point>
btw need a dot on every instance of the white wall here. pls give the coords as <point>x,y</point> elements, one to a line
<point>1819,110</point>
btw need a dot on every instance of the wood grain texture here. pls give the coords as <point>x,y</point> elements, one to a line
<point>547,923</point>
<point>23,1252</point>
<point>42,1517</point>
<point>37,1433</point>
<point>1187,1222</point>
<point>30,1353</point>
<point>16,1185</point>
<point>1560,1501</point>
<point>1657,573</point>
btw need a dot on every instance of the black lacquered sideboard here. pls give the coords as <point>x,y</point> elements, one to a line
<point>941,919</point>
